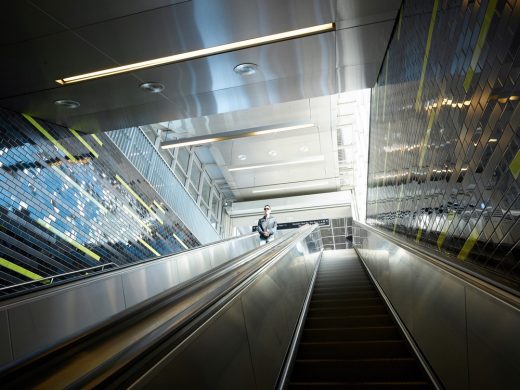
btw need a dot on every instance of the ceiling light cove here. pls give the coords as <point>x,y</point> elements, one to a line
<point>171,59</point>
<point>297,187</point>
<point>278,164</point>
<point>204,139</point>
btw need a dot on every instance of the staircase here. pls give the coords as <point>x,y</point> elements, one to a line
<point>350,338</point>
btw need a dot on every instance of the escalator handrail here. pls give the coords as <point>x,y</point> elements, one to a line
<point>58,352</point>
<point>480,282</point>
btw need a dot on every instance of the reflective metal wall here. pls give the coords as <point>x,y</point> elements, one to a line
<point>244,345</point>
<point>70,201</point>
<point>37,321</point>
<point>444,159</point>
<point>468,337</point>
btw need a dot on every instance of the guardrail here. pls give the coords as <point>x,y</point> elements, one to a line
<point>466,328</point>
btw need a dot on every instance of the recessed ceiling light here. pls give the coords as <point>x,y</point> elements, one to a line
<point>67,103</point>
<point>304,148</point>
<point>242,157</point>
<point>152,87</point>
<point>302,32</point>
<point>246,69</point>
<point>273,153</point>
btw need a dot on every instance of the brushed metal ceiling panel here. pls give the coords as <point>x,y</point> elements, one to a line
<point>39,18</point>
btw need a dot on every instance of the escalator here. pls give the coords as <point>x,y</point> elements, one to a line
<point>349,337</point>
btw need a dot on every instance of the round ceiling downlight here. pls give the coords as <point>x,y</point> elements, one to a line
<point>246,69</point>
<point>67,103</point>
<point>152,87</point>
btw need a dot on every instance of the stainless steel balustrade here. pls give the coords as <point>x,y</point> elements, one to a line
<point>244,344</point>
<point>467,329</point>
<point>41,319</point>
<point>275,277</point>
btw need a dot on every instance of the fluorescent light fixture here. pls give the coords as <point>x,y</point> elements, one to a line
<point>193,142</point>
<point>291,187</point>
<point>306,161</point>
<point>204,139</point>
<point>493,140</point>
<point>199,53</point>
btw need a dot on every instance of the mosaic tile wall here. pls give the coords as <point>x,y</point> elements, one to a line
<point>444,159</point>
<point>71,201</point>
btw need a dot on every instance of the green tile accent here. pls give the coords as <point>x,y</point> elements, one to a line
<point>515,165</point>
<point>80,139</point>
<point>48,136</point>
<point>426,55</point>
<point>69,240</point>
<point>16,268</point>
<point>490,10</point>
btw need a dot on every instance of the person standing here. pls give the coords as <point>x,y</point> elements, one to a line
<point>267,226</point>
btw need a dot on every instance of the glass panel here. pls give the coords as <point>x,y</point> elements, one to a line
<point>206,189</point>
<point>196,172</point>
<point>180,174</point>
<point>183,158</point>
<point>193,192</point>
<point>214,204</point>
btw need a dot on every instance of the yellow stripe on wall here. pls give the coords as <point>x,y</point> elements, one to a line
<point>80,138</point>
<point>134,194</point>
<point>515,165</point>
<point>159,206</point>
<point>48,136</point>
<point>180,241</point>
<point>136,217</point>
<point>426,55</point>
<point>78,187</point>
<point>426,138</point>
<point>442,236</point>
<point>69,240</point>
<point>419,235</point>
<point>16,268</point>
<point>490,10</point>
<point>468,245</point>
<point>149,247</point>
<point>97,139</point>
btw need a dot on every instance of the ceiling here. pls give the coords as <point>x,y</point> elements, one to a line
<point>296,82</point>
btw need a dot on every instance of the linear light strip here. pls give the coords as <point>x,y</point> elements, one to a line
<point>229,135</point>
<point>180,241</point>
<point>291,187</point>
<point>306,161</point>
<point>199,53</point>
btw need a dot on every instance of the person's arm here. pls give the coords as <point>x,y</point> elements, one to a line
<point>275,226</point>
<point>260,230</point>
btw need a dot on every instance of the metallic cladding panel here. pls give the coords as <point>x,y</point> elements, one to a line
<point>493,333</point>
<point>51,319</point>
<point>149,281</point>
<point>268,333</point>
<point>217,357</point>
<point>469,338</point>
<point>6,354</point>
<point>444,153</point>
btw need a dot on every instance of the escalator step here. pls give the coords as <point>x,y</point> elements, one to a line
<point>354,349</point>
<point>351,334</point>
<point>419,385</point>
<point>352,302</point>
<point>349,321</point>
<point>344,295</point>
<point>334,312</point>
<point>356,370</point>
